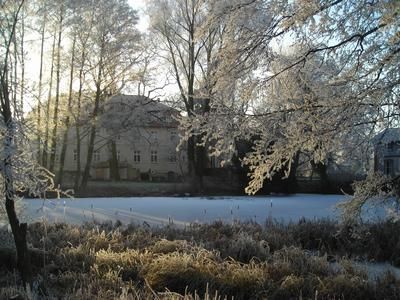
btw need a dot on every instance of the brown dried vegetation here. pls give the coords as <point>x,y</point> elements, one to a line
<point>247,261</point>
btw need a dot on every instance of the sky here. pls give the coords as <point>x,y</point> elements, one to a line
<point>33,52</point>
<point>140,5</point>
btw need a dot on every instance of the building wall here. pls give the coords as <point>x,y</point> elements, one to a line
<point>157,143</point>
<point>387,158</point>
<point>156,147</point>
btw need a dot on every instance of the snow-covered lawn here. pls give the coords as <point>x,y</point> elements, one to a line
<point>184,210</point>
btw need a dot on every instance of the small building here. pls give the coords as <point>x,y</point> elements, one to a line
<point>387,152</point>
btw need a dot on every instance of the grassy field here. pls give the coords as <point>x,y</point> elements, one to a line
<point>307,260</point>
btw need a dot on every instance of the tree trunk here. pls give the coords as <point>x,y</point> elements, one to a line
<point>92,137</point>
<point>321,169</point>
<point>114,168</point>
<point>190,155</point>
<point>200,162</point>
<point>18,229</point>
<point>291,181</point>
<point>89,157</point>
<point>15,79</point>
<point>22,83</point>
<point>57,100</point>
<point>39,97</point>
<point>77,120</point>
<point>86,172</point>
<point>78,158</point>
<point>200,151</point>
<point>46,138</point>
<point>67,118</point>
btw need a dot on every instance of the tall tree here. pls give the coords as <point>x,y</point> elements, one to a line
<point>113,42</point>
<point>54,136</point>
<point>67,118</point>
<point>42,11</point>
<point>45,153</point>
<point>19,230</point>
<point>19,170</point>
<point>178,27</point>
<point>22,49</point>
<point>83,22</point>
<point>360,36</point>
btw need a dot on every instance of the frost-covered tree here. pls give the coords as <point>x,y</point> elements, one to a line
<point>187,47</point>
<point>89,51</point>
<point>19,170</point>
<point>112,45</point>
<point>360,93</point>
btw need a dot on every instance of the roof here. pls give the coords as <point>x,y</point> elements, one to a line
<point>386,136</point>
<point>135,110</point>
<point>142,103</point>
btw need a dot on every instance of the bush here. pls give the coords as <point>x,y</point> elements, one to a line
<point>178,272</point>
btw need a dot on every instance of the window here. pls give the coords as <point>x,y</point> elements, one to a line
<point>172,157</point>
<point>75,155</point>
<point>96,155</point>
<point>388,166</point>
<point>136,156</point>
<point>174,136</point>
<point>153,156</point>
<point>118,155</point>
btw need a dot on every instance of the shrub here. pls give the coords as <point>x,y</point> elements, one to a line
<point>179,272</point>
<point>345,286</point>
<point>164,246</point>
<point>290,288</point>
<point>244,247</point>
<point>127,264</point>
<point>243,281</point>
<point>301,262</point>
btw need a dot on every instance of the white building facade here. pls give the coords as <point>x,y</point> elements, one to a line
<point>143,135</point>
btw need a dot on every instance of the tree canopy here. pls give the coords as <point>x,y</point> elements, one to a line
<point>310,77</point>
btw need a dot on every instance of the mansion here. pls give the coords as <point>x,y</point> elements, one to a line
<point>142,134</point>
